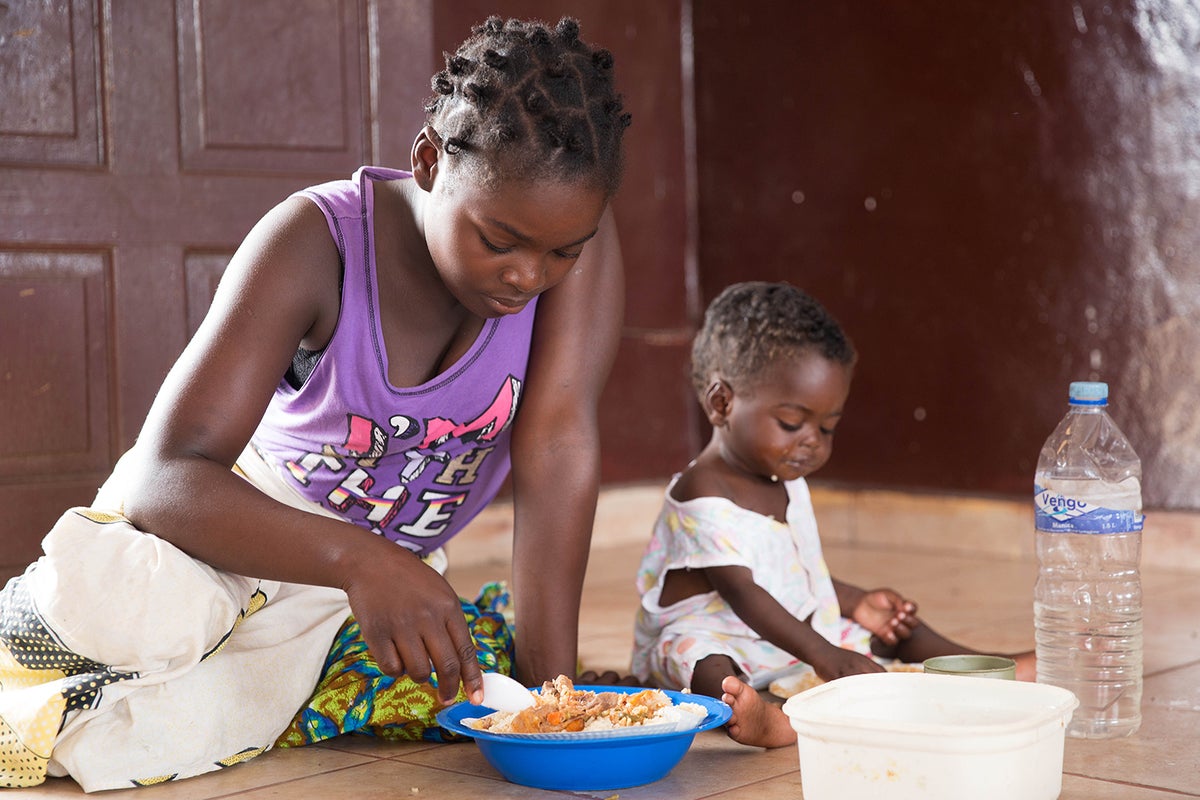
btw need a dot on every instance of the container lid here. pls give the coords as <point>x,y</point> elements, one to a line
<point>921,711</point>
<point>1088,393</point>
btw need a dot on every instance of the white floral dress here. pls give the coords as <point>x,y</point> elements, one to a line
<point>785,558</point>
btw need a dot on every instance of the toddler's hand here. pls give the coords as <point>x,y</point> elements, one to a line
<point>887,615</point>
<point>836,662</point>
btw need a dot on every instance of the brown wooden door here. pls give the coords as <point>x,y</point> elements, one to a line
<point>139,142</point>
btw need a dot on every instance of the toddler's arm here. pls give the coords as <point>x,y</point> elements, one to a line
<point>757,608</point>
<point>884,612</point>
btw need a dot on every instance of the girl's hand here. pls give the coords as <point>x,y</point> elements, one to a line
<point>886,614</point>
<point>834,662</point>
<point>412,622</point>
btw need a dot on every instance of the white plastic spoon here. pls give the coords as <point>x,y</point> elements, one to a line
<point>505,694</point>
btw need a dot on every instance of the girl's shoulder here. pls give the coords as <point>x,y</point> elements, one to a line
<point>700,486</point>
<point>712,516</point>
<point>705,483</point>
<point>696,482</point>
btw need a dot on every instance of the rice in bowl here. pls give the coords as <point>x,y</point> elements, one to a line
<point>560,708</point>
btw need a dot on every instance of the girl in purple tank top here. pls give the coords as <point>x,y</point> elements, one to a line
<point>381,354</point>
<point>411,463</point>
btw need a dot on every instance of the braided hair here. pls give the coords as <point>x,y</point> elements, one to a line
<point>750,325</point>
<point>523,99</point>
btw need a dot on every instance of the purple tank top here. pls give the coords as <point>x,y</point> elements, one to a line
<point>412,464</point>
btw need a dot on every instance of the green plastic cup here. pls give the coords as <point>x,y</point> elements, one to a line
<point>973,666</point>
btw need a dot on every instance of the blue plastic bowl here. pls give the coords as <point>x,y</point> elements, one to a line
<point>584,765</point>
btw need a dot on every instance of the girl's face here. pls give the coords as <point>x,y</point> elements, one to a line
<point>497,248</point>
<point>782,425</point>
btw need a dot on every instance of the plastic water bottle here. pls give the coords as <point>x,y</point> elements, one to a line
<point>1088,596</point>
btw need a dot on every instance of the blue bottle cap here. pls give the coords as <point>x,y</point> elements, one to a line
<point>1088,393</point>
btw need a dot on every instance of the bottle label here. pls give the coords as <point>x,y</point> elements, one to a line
<point>1057,513</point>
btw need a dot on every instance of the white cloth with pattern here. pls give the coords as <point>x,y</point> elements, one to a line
<point>786,560</point>
<point>125,662</point>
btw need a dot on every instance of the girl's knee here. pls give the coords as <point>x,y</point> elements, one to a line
<point>128,599</point>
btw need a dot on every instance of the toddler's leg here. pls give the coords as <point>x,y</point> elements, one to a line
<point>925,643</point>
<point>710,673</point>
<point>755,721</point>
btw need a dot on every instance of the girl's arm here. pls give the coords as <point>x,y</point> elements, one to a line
<point>756,607</point>
<point>556,455</point>
<point>280,290</point>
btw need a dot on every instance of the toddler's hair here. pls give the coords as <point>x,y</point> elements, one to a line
<point>751,324</point>
<point>521,99</point>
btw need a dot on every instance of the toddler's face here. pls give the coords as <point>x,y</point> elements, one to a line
<point>498,248</point>
<point>783,423</point>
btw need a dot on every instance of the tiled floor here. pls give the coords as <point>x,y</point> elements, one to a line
<point>982,600</point>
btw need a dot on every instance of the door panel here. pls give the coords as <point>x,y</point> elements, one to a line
<point>50,82</point>
<point>272,86</point>
<point>54,376</point>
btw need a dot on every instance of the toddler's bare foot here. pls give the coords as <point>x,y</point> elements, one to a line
<point>755,721</point>
<point>1026,665</point>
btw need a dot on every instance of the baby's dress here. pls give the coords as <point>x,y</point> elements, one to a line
<point>785,559</point>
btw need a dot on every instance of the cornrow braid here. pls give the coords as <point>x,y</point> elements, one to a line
<point>521,98</point>
<point>752,324</point>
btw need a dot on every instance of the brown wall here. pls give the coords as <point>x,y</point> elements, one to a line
<point>994,198</point>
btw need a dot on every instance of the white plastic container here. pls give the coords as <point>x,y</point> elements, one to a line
<point>913,736</point>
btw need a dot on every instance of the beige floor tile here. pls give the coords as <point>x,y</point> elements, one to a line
<point>984,603</point>
<point>1172,540</point>
<point>460,757</point>
<point>1171,625</point>
<point>275,767</point>
<point>1162,754</point>
<point>780,787</point>
<point>788,787</point>
<point>58,788</point>
<point>397,780</point>
<point>1176,690</point>
<point>714,762</point>
<point>919,522</point>
<point>374,747</point>
<point>1077,788</point>
<point>609,603</point>
<point>624,517</point>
